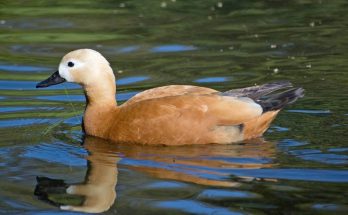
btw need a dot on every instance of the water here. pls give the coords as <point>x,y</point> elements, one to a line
<point>300,166</point>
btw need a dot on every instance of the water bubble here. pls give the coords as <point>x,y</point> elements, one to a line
<point>2,22</point>
<point>273,46</point>
<point>220,4</point>
<point>275,70</point>
<point>312,24</point>
<point>122,5</point>
<point>309,66</point>
<point>120,71</point>
<point>164,4</point>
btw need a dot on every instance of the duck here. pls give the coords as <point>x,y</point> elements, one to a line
<point>173,114</point>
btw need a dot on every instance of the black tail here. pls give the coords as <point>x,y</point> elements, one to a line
<point>278,101</point>
<point>256,92</point>
<point>265,96</point>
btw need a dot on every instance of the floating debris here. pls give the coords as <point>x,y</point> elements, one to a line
<point>220,4</point>
<point>273,46</point>
<point>276,70</point>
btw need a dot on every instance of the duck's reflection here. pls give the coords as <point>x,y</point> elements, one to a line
<point>98,189</point>
<point>184,163</point>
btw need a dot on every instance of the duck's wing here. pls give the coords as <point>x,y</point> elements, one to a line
<point>171,90</point>
<point>223,110</point>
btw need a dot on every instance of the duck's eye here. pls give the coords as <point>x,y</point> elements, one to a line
<point>70,64</point>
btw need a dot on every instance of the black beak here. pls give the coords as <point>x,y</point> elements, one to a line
<point>54,79</point>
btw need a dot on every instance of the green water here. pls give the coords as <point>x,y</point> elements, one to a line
<point>300,167</point>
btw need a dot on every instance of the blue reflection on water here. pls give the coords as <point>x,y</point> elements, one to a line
<point>260,160</point>
<point>166,185</point>
<point>218,194</point>
<point>338,150</point>
<point>15,109</point>
<point>57,153</point>
<point>22,68</point>
<point>128,49</point>
<point>211,80</point>
<point>195,207</point>
<point>326,158</point>
<point>131,80</point>
<point>172,48</point>
<point>27,85</point>
<point>291,143</point>
<point>20,108</point>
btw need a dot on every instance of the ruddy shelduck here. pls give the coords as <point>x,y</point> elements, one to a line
<point>170,115</point>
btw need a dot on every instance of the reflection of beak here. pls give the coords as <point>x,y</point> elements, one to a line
<point>54,79</point>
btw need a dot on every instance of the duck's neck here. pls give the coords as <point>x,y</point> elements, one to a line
<point>101,108</point>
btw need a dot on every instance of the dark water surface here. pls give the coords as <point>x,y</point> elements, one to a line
<point>299,167</point>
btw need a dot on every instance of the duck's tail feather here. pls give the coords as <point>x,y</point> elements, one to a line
<point>277,101</point>
<point>256,92</point>
<point>265,94</point>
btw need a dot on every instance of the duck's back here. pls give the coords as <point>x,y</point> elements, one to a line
<point>170,90</point>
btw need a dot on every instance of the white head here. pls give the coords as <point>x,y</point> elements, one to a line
<point>83,66</point>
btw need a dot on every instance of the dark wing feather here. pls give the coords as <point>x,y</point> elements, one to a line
<point>257,92</point>
<point>265,96</point>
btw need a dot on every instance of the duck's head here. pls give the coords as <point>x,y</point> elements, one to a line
<point>83,66</point>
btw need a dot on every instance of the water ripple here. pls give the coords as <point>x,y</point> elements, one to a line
<point>319,112</point>
<point>24,122</point>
